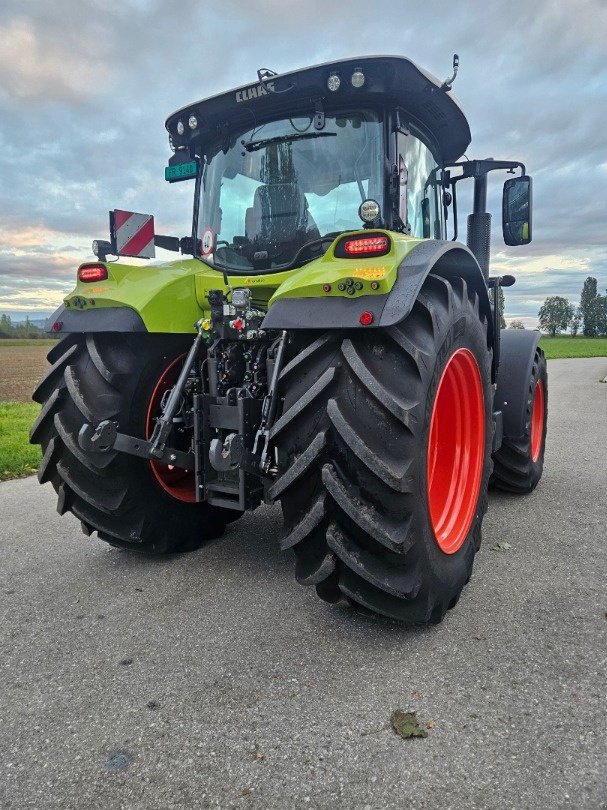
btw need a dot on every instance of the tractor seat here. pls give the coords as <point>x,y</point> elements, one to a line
<point>279,212</point>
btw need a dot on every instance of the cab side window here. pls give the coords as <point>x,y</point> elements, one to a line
<point>423,187</point>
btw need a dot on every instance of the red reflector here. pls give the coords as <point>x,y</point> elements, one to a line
<point>92,272</point>
<point>57,326</point>
<point>373,244</point>
<point>366,318</point>
<point>326,287</point>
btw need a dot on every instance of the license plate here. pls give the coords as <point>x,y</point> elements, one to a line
<point>182,171</point>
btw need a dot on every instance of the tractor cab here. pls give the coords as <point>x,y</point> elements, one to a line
<point>284,166</point>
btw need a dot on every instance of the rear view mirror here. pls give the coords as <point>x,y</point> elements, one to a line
<point>516,211</point>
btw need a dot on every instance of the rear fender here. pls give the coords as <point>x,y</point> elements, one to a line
<point>145,298</point>
<point>444,258</point>
<point>517,350</point>
<point>108,319</point>
<point>168,297</point>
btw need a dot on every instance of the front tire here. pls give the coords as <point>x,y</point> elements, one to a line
<point>372,511</point>
<point>128,501</point>
<point>519,463</point>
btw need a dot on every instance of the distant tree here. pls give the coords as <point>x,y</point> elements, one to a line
<point>501,304</point>
<point>555,314</point>
<point>600,311</point>
<point>6,325</point>
<point>29,329</point>
<point>20,329</point>
<point>575,322</point>
<point>516,324</point>
<point>588,306</point>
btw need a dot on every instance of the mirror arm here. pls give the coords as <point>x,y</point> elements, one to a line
<point>453,186</point>
<point>477,168</point>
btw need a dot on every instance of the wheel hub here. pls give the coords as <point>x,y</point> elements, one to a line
<point>537,421</point>
<point>180,484</point>
<point>455,451</point>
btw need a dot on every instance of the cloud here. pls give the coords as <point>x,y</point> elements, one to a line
<point>83,107</point>
<point>41,68</point>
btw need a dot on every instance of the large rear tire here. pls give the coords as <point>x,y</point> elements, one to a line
<point>519,463</point>
<point>129,502</point>
<point>384,448</point>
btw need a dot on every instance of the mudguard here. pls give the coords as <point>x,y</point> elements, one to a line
<point>517,351</point>
<point>432,256</point>
<point>163,298</point>
<point>109,319</point>
<point>150,298</point>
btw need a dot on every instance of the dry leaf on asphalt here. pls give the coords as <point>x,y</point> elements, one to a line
<point>406,724</point>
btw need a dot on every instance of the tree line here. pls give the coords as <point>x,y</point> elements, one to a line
<point>557,314</point>
<point>23,329</point>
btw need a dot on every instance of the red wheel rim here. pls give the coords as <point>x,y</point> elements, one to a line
<point>180,484</point>
<point>537,421</point>
<point>456,448</point>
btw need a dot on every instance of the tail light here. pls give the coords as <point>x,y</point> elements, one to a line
<point>350,247</point>
<point>376,244</point>
<point>92,272</point>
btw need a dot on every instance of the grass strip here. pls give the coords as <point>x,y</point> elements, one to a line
<point>8,342</point>
<point>18,457</point>
<point>563,346</point>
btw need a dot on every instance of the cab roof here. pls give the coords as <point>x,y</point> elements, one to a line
<point>390,82</point>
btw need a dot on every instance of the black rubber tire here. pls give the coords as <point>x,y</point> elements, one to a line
<point>112,376</point>
<point>514,469</point>
<point>352,444</point>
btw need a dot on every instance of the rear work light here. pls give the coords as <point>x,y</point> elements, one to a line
<point>92,272</point>
<point>371,246</point>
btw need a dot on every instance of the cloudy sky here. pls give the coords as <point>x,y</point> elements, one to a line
<point>85,86</point>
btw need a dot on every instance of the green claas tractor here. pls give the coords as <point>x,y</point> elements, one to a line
<point>323,340</point>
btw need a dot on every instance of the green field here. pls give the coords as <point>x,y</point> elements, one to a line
<point>27,342</point>
<point>17,456</point>
<point>23,362</point>
<point>567,346</point>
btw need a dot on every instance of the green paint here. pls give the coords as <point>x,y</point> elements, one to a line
<point>172,296</point>
<point>307,281</point>
<point>164,295</point>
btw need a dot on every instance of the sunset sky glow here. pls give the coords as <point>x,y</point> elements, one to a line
<point>85,87</point>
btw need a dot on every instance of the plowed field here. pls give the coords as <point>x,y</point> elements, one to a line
<point>21,366</point>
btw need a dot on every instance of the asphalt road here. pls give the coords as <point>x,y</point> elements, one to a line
<point>214,680</point>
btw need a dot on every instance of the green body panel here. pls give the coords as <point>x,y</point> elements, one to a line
<point>308,281</point>
<point>171,297</point>
<point>164,295</point>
